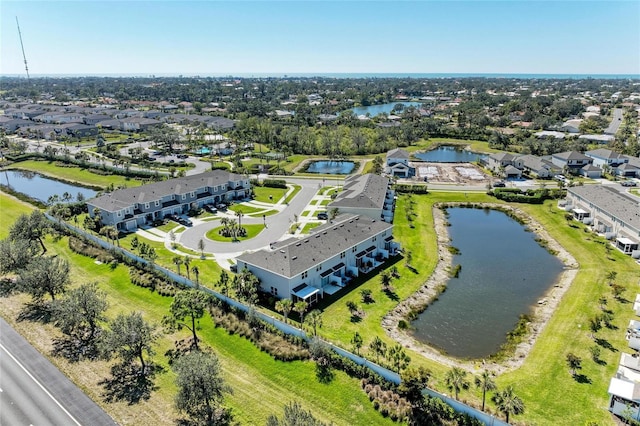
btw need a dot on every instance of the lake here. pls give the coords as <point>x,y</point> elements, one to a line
<point>331,167</point>
<point>41,187</point>
<point>505,272</point>
<point>374,110</point>
<point>449,154</point>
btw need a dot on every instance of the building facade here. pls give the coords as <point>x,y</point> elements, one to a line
<point>370,195</point>
<point>129,208</point>
<point>323,262</point>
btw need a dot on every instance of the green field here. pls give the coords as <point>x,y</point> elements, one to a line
<point>267,194</point>
<point>252,231</point>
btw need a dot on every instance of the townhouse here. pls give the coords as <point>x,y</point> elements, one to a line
<point>129,208</point>
<point>323,262</point>
<point>369,194</point>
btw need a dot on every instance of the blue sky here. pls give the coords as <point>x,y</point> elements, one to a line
<point>257,37</point>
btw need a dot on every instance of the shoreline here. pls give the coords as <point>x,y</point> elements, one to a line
<point>541,313</point>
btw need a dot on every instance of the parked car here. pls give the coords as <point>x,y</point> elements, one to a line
<point>210,208</point>
<point>323,216</point>
<point>628,183</point>
<point>221,206</point>
<point>499,184</point>
<point>185,222</point>
<point>561,178</point>
<point>182,156</point>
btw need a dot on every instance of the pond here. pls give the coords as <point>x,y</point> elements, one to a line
<point>374,110</point>
<point>41,187</point>
<point>505,272</point>
<point>331,167</point>
<point>449,154</point>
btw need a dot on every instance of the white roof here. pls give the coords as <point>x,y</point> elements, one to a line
<point>623,240</point>
<point>580,211</point>
<point>623,388</point>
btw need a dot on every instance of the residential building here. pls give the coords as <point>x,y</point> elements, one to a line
<point>129,208</point>
<point>397,164</point>
<point>606,158</point>
<point>323,262</point>
<point>572,160</point>
<point>498,162</point>
<point>369,195</point>
<point>624,387</point>
<point>538,167</point>
<point>608,211</point>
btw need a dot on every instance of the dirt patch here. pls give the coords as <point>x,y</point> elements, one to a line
<point>427,292</point>
<point>460,173</point>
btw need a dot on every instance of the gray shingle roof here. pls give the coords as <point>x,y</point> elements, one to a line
<point>571,155</point>
<point>603,153</point>
<point>326,241</point>
<point>117,200</point>
<point>398,153</point>
<point>368,191</point>
<point>614,203</point>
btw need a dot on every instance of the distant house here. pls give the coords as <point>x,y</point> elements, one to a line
<point>498,163</point>
<point>322,263</point>
<point>549,134</point>
<point>82,130</point>
<point>573,160</point>
<point>369,195</point>
<point>327,117</point>
<point>129,208</point>
<point>511,172</point>
<point>94,119</point>
<point>571,126</point>
<point>136,124</point>
<point>606,158</point>
<point>591,171</point>
<point>601,139</point>
<point>538,167</point>
<point>397,164</point>
<point>627,170</point>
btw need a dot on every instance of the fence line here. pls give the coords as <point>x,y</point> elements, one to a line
<point>387,374</point>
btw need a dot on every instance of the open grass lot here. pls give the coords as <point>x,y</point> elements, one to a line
<point>75,174</point>
<point>245,209</point>
<point>263,194</point>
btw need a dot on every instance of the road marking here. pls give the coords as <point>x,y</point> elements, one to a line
<point>39,384</point>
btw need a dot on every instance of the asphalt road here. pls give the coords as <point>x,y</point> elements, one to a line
<point>34,392</point>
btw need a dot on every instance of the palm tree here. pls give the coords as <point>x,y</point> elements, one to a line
<point>378,347</point>
<point>177,261</point>
<point>456,380</point>
<point>224,282</point>
<point>187,261</point>
<point>485,382</point>
<point>300,307</point>
<point>285,306</point>
<point>201,247</point>
<point>315,320</point>
<point>508,402</point>
<point>385,279</point>
<point>196,272</point>
<point>225,223</point>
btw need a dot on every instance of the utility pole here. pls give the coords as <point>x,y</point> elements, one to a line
<point>26,67</point>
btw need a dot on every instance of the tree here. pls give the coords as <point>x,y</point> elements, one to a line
<point>110,232</point>
<point>294,415</point>
<point>385,280</point>
<point>187,307</point>
<point>79,314</point>
<point>246,286</point>
<point>187,262</point>
<point>485,382</point>
<point>408,258</point>
<point>201,247</point>
<point>398,357</point>
<point>177,260</point>
<point>285,306</point>
<point>595,324</point>
<point>574,363</point>
<point>611,277</point>
<point>618,290</point>
<point>377,165</point>
<point>196,272</point>
<point>508,402</point>
<point>414,380</point>
<point>456,380</point>
<point>333,213</point>
<point>32,227</point>
<point>130,338</point>
<point>314,319</point>
<point>45,276</point>
<point>15,255</point>
<point>300,307</point>
<point>223,281</point>
<point>201,388</point>
<point>356,342</point>
<point>379,348</point>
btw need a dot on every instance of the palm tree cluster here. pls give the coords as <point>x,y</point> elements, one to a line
<point>231,228</point>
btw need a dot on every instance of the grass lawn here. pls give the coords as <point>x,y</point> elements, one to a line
<point>75,174</point>
<point>245,209</point>
<point>262,193</point>
<point>252,231</point>
<point>11,208</point>
<point>309,226</point>
<point>325,202</point>
<point>168,226</point>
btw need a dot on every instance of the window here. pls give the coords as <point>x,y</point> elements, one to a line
<point>184,196</point>
<point>119,214</point>
<point>193,194</point>
<point>304,275</point>
<point>342,255</point>
<point>274,291</point>
<point>146,205</point>
<point>157,203</point>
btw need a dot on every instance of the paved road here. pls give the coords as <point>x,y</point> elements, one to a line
<point>616,121</point>
<point>277,224</point>
<point>34,392</point>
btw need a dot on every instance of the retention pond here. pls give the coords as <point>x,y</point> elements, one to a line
<point>504,273</point>
<point>40,187</point>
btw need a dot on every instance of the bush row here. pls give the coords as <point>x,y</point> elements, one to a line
<point>146,279</point>
<point>404,188</point>
<point>530,196</point>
